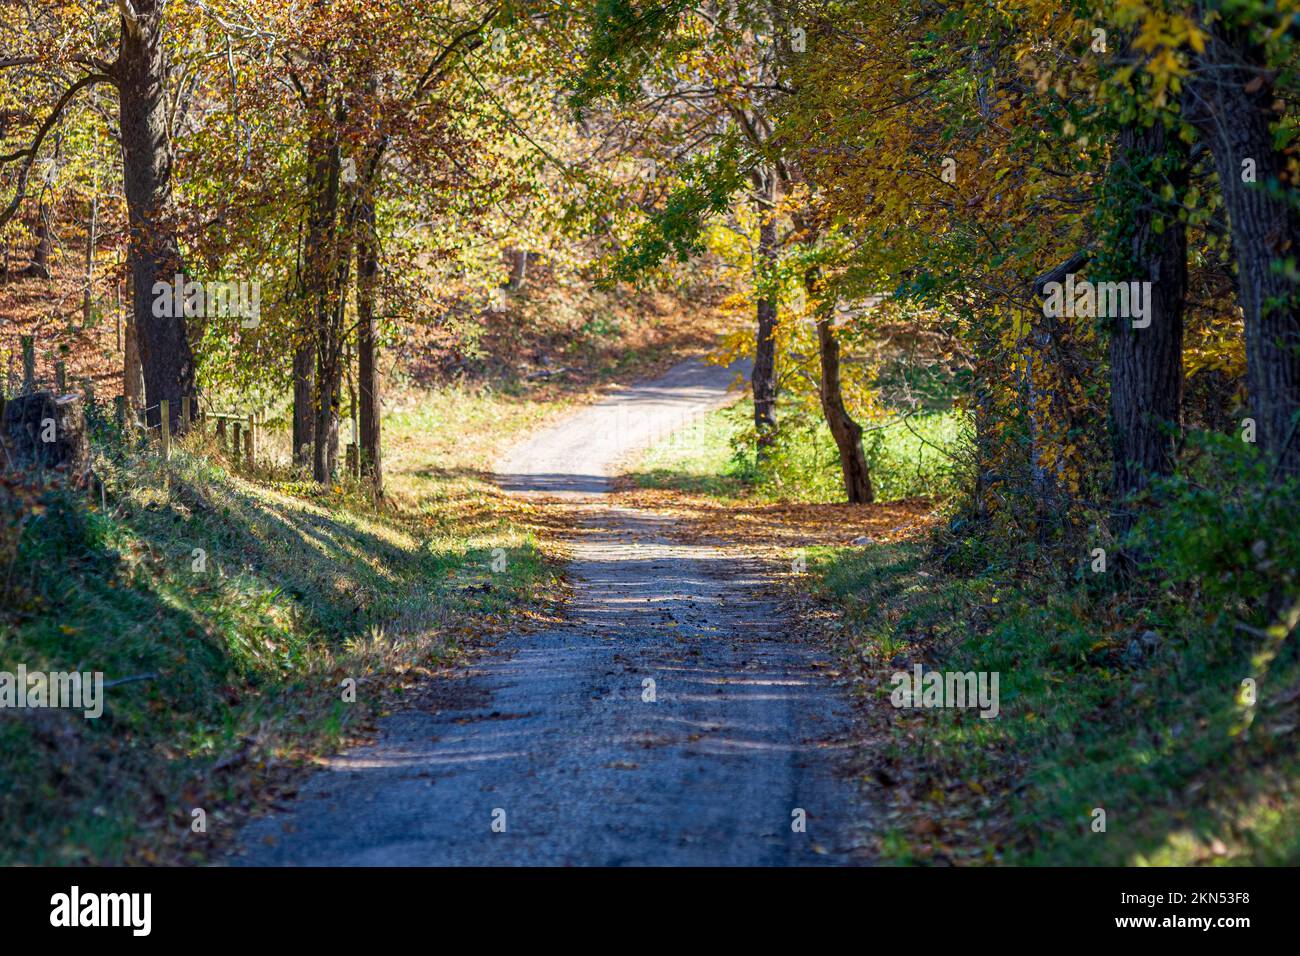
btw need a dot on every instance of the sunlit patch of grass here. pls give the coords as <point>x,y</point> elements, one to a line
<point>697,458</point>
<point>908,457</point>
<point>1265,831</point>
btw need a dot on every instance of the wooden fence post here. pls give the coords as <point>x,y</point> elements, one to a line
<point>60,377</point>
<point>239,440</point>
<point>250,441</point>
<point>165,419</point>
<point>185,413</point>
<point>29,364</point>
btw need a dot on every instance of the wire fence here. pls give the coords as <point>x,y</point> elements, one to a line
<point>237,433</point>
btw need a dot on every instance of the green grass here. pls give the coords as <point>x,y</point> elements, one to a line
<point>1157,740</point>
<point>698,458</point>
<point>297,589</point>
<point>908,458</point>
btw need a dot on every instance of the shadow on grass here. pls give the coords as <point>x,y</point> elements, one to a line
<point>236,608</point>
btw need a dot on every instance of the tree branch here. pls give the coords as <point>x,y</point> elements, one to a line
<point>430,75</point>
<point>1072,264</point>
<point>30,152</point>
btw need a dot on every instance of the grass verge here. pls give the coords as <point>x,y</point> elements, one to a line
<point>238,609</point>
<point>1110,702</point>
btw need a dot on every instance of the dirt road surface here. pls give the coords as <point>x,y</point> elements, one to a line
<point>671,720</point>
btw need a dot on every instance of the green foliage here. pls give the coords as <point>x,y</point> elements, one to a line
<point>1125,699</point>
<point>707,185</point>
<point>625,37</point>
<point>1220,526</point>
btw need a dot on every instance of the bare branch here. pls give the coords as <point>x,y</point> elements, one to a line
<point>473,35</point>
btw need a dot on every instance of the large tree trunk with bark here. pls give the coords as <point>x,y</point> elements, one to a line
<point>329,369</point>
<point>1230,101</point>
<point>328,269</point>
<point>764,373</point>
<point>1146,361</point>
<point>329,376</point>
<point>304,390</point>
<point>372,466</point>
<point>322,205</point>
<point>132,373</point>
<point>317,360</point>
<point>140,74</point>
<point>330,344</point>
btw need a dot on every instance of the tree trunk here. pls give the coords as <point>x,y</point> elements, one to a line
<point>1146,362</point>
<point>88,300</point>
<point>132,373</point>
<point>304,391</point>
<point>40,264</point>
<point>329,385</point>
<point>518,269</point>
<point>764,374</point>
<point>1231,96</point>
<point>329,361</point>
<point>315,391</point>
<point>367,341</point>
<point>983,411</point>
<point>163,342</point>
<point>847,432</point>
<point>325,449</point>
<point>328,269</point>
<point>311,294</point>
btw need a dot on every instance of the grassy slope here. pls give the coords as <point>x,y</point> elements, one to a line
<point>301,590</point>
<point>1152,732</point>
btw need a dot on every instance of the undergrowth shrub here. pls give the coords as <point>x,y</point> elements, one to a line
<point>1225,529</point>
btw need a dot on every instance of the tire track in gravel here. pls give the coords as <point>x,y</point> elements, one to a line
<point>555,733</point>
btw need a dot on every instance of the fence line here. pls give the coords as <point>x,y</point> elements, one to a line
<point>238,433</point>
<point>246,430</point>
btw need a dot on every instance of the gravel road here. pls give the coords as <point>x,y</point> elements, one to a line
<point>670,720</point>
